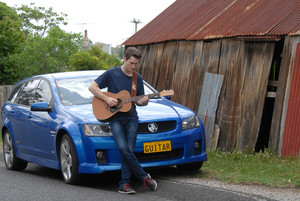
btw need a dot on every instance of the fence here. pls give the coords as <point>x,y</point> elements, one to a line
<point>4,93</point>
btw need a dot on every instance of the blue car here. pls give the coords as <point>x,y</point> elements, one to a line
<point>49,120</point>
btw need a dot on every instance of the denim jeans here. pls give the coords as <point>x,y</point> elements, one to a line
<point>125,133</point>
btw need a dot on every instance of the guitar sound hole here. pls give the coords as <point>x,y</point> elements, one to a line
<point>118,105</point>
<point>119,102</point>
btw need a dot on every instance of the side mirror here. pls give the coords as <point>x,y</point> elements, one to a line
<point>41,106</point>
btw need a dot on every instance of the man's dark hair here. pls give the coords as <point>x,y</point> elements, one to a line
<point>132,51</point>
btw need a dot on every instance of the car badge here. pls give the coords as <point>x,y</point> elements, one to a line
<point>152,127</point>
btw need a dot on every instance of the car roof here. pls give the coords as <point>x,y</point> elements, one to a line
<point>73,74</point>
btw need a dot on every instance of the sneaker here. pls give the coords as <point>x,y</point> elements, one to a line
<point>126,188</point>
<point>150,183</point>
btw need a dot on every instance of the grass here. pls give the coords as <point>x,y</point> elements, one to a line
<point>260,168</point>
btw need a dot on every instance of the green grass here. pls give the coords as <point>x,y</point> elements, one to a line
<point>259,168</point>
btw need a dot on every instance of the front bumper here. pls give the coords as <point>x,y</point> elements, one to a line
<point>182,143</point>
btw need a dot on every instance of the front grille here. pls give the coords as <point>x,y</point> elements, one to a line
<point>168,155</point>
<point>163,126</point>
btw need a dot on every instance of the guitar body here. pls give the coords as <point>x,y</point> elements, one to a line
<point>104,112</point>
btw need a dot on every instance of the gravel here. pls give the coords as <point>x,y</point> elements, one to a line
<point>274,193</point>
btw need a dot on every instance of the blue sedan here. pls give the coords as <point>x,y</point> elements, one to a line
<point>48,120</point>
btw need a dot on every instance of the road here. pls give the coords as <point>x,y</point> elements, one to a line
<point>37,183</point>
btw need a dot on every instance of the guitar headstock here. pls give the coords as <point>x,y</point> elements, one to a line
<point>166,93</point>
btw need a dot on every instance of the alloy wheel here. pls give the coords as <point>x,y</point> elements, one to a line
<point>66,159</point>
<point>12,162</point>
<point>8,150</point>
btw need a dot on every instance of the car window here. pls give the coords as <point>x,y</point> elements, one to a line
<point>26,95</point>
<point>75,91</point>
<point>14,93</point>
<point>147,90</point>
<point>43,92</point>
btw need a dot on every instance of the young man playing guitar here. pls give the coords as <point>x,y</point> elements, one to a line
<point>124,126</point>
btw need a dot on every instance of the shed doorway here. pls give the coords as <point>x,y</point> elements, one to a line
<point>266,121</point>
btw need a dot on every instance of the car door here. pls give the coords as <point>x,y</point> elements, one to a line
<point>20,112</point>
<point>38,127</point>
<point>17,129</point>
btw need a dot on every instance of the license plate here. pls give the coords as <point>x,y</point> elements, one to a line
<point>159,146</point>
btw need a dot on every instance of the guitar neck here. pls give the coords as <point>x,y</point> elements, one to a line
<point>136,98</point>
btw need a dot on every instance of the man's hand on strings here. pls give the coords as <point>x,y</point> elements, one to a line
<point>143,101</point>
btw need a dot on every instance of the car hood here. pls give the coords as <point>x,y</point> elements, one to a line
<point>155,110</point>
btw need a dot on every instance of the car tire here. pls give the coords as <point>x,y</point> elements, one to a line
<point>190,166</point>
<point>12,162</point>
<point>68,160</point>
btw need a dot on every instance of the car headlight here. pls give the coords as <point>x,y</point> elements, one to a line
<point>94,130</point>
<point>190,122</point>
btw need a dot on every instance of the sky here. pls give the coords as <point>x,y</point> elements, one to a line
<point>106,21</point>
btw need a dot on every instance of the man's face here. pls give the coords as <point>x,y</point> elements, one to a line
<point>131,63</point>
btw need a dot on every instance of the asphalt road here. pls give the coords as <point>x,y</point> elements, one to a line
<point>37,183</point>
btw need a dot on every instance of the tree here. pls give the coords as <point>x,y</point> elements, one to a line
<point>108,60</point>
<point>84,61</point>
<point>6,11</point>
<point>47,54</point>
<point>33,43</point>
<point>119,51</point>
<point>11,39</point>
<point>93,59</point>
<point>42,47</point>
<point>39,20</point>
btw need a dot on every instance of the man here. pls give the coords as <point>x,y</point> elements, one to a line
<point>124,126</point>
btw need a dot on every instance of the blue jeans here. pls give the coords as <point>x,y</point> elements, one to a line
<point>125,133</point>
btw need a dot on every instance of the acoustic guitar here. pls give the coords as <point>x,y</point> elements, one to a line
<point>105,113</point>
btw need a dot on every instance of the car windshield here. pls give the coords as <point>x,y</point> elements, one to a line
<point>75,91</point>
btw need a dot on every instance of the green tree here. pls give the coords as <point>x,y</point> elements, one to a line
<point>11,40</point>
<point>47,54</point>
<point>84,61</point>
<point>39,20</point>
<point>42,47</point>
<point>94,59</point>
<point>107,60</point>
<point>6,11</point>
<point>119,51</point>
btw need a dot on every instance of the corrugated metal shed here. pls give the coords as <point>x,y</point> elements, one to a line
<point>211,19</point>
<point>291,137</point>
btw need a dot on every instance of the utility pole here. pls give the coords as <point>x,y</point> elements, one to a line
<point>136,22</point>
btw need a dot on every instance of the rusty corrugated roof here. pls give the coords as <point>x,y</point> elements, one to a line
<point>211,19</point>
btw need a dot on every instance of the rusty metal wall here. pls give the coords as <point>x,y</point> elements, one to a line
<point>291,135</point>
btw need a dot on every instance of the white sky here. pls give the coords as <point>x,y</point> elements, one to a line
<point>107,21</point>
